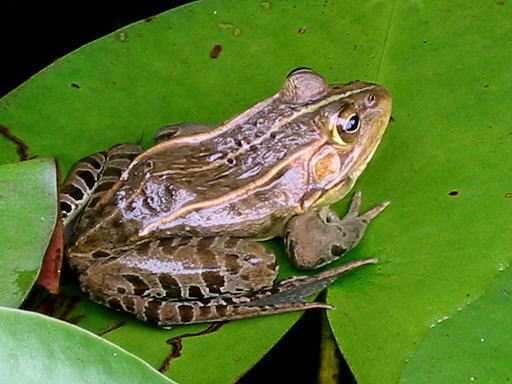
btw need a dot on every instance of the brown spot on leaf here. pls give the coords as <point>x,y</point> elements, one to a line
<point>301,30</point>
<point>177,344</point>
<point>21,147</point>
<point>112,327</point>
<point>453,193</point>
<point>215,51</point>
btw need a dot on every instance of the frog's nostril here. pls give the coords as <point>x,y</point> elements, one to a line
<point>370,100</point>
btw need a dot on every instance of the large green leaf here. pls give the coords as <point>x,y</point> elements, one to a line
<point>28,210</point>
<point>446,64</point>
<point>39,349</point>
<point>445,164</point>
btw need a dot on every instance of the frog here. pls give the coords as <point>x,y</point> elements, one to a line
<point>174,234</point>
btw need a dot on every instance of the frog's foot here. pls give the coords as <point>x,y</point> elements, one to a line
<point>319,237</point>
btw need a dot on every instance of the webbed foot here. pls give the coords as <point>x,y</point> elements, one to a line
<point>316,238</point>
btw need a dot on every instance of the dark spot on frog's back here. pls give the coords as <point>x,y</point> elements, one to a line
<point>170,285</point>
<point>216,51</point>
<point>75,192</point>
<point>204,312</point>
<point>87,177</point>
<point>139,285</point>
<point>152,310</point>
<point>129,303</point>
<point>337,250</point>
<point>195,292</point>
<point>207,258</point>
<point>65,207</point>
<point>221,310</point>
<point>92,162</point>
<point>232,263</point>
<point>115,303</point>
<point>186,313</point>
<point>214,280</point>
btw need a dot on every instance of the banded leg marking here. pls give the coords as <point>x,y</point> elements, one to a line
<point>91,176</point>
<point>79,185</point>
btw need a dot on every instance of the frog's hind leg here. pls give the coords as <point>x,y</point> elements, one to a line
<point>91,176</point>
<point>285,296</point>
<point>177,281</point>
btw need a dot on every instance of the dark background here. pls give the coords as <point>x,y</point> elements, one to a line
<point>35,33</point>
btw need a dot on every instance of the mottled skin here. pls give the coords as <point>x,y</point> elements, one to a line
<point>168,233</point>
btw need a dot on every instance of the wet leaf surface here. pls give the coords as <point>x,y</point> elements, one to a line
<point>28,210</point>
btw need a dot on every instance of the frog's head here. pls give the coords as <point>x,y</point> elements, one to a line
<point>352,118</point>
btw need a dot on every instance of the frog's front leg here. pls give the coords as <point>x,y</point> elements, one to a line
<point>319,237</point>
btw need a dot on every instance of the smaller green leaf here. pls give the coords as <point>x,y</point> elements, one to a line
<point>40,349</point>
<point>474,344</point>
<point>28,211</point>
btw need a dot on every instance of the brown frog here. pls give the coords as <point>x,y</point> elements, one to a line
<point>170,234</point>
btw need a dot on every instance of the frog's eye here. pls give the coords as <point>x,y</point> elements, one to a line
<point>345,127</point>
<point>350,125</point>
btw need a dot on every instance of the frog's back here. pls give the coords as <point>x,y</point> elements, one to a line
<point>243,178</point>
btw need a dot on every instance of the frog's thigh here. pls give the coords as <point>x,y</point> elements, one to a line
<point>176,269</point>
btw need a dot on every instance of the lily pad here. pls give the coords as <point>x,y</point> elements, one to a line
<point>39,349</point>
<point>28,210</point>
<point>444,162</point>
<point>472,345</point>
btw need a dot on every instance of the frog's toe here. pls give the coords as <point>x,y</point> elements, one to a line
<point>355,206</point>
<point>374,212</point>
<point>297,288</point>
